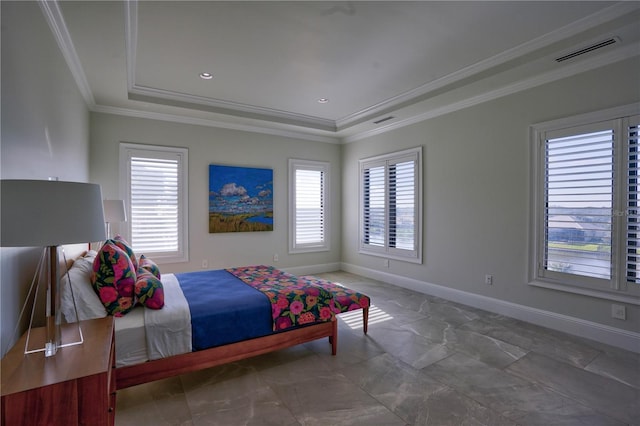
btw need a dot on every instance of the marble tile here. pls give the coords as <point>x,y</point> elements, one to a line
<point>434,362</point>
<point>376,415</point>
<point>319,395</point>
<point>452,313</point>
<point>491,351</point>
<point>417,398</point>
<point>603,394</point>
<point>404,300</point>
<point>397,314</point>
<point>353,347</point>
<point>515,398</point>
<point>531,337</point>
<point>408,345</point>
<point>157,403</point>
<point>617,364</point>
<point>331,399</point>
<point>284,356</point>
<point>451,408</point>
<point>235,396</point>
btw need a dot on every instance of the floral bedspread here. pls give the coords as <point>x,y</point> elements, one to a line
<point>344,299</point>
<point>294,301</point>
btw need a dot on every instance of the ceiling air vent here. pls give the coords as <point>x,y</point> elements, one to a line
<point>382,120</point>
<point>588,49</point>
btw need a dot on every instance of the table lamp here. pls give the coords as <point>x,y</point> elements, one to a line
<point>39,213</point>
<point>114,212</point>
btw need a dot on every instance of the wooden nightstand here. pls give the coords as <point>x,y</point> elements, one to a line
<point>76,386</point>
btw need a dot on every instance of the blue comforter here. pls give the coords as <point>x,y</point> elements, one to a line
<point>224,309</point>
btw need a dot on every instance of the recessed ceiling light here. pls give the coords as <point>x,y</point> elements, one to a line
<point>323,100</point>
<point>206,75</point>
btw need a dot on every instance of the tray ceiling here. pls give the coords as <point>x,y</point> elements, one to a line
<point>271,62</point>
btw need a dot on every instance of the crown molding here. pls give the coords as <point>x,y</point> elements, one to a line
<point>130,38</point>
<point>174,118</point>
<point>53,16</point>
<point>167,97</point>
<point>606,15</point>
<point>617,55</point>
<point>312,126</point>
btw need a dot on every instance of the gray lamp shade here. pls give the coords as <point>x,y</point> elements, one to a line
<point>50,213</point>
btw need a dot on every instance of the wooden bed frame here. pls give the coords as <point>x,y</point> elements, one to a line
<point>132,375</point>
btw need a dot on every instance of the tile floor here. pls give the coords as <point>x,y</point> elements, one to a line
<point>425,361</point>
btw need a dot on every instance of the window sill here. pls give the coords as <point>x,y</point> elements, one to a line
<point>308,250</point>
<point>623,297</point>
<point>385,255</point>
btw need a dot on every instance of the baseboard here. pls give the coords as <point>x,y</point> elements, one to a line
<point>624,339</point>
<point>313,269</point>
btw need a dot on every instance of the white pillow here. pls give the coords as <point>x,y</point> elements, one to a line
<point>88,303</point>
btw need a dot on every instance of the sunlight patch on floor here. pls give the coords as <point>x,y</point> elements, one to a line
<point>354,318</point>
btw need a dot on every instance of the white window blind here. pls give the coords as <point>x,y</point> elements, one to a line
<point>402,187</point>
<point>633,216</point>
<point>585,199</point>
<point>154,204</point>
<point>390,206</point>
<point>156,197</point>
<point>579,202</point>
<point>374,186</point>
<point>308,205</point>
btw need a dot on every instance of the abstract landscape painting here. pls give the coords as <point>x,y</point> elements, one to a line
<point>240,199</point>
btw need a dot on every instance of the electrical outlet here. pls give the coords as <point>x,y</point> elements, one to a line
<point>276,257</point>
<point>618,311</point>
<point>488,279</point>
<point>205,263</point>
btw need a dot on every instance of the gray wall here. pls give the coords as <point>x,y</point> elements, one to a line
<point>208,145</point>
<point>476,192</point>
<point>476,170</point>
<point>45,133</point>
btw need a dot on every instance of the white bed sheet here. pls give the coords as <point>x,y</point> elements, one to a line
<point>146,334</point>
<point>131,338</point>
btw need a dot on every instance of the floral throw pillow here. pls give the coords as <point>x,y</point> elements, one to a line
<point>126,247</point>
<point>113,279</point>
<point>149,290</point>
<point>149,265</point>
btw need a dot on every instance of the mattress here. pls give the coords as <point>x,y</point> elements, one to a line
<point>205,309</point>
<point>202,309</point>
<point>145,334</point>
<point>131,339</point>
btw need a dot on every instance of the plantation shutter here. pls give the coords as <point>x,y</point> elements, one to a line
<point>155,199</point>
<point>402,205</point>
<point>578,196</point>
<point>632,214</point>
<point>374,205</point>
<point>309,207</point>
<point>390,215</point>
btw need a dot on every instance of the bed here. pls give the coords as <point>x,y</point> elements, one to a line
<point>213,317</point>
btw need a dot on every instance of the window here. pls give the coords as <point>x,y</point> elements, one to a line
<point>587,228</point>
<point>391,205</point>
<point>308,206</point>
<point>155,193</point>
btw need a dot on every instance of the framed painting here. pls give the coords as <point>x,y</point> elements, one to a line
<point>240,199</point>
